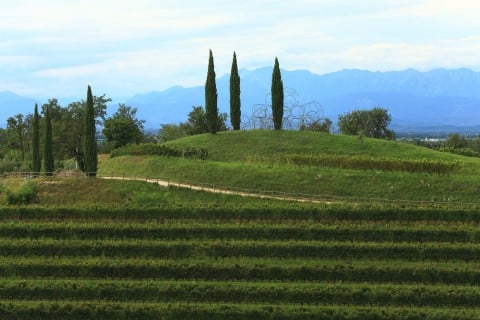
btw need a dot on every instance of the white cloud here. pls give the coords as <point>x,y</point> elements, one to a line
<point>126,47</point>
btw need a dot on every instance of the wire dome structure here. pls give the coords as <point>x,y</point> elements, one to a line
<point>296,115</point>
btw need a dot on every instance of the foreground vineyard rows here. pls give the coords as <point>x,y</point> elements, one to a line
<point>111,266</point>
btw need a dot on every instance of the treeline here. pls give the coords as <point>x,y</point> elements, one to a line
<point>455,143</point>
<point>50,135</point>
<point>54,137</point>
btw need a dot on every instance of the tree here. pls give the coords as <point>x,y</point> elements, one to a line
<point>123,127</point>
<point>170,132</point>
<point>90,159</point>
<point>71,126</point>
<point>36,159</point>
<point>277,97</point>
<point>371,123</point>
<point>17,131</point>
<point>196,124</point>
<point>456,141</point>
<point>235,112</point>
<point>211,97</point>
<point>318,126</point>
<point>48,161</point>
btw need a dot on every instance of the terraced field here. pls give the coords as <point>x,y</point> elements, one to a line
<point>255,266</point>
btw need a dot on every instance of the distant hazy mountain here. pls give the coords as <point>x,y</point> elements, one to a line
<point>12,104</point>
<point>436,98</point>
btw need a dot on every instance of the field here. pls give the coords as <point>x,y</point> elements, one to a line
<point>239,264</point>
<point>118,249</point>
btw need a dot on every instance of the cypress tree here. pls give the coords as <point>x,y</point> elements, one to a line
<point>277,97</point>
<point>36,159</point>
<point>48,164</point>
<point>90,159</point>
<point>211,111</point>
<point>235,112</point>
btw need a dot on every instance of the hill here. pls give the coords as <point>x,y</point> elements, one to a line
<point>313,164</point>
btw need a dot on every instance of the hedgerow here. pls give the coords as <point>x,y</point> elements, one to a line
<point>246,269</point>
<point>225,229</point>
<point>154,149</point>
<point>242,292</point>
<point>209,311</point>
<point>241,248</point>
<point>361,162</point>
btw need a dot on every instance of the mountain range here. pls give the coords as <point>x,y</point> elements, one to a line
<point>416,100</point>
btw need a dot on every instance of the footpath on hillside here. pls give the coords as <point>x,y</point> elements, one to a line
<point>167,183</point>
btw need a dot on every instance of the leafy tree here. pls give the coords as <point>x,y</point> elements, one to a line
<point>48,161</point>
<point>371,123</point>
<point>235,112</point>
<point>36,159</point>
<point>90,159</point>
<point>277,97</point>
<point>17,127</point>
<point>211,97</point>
<point>72,126</point>
<point>197,121</point>
<point>318,126</point>
<point>123,127</point>
<point>196,124</point>
<point>170,132</point>
<point>456,141</point>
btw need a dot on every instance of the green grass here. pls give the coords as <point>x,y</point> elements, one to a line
<point>239,145</point>
<point>83,192</point>
<point>240,160</point>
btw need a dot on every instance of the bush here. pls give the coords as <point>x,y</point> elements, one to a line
<point>27,193</point>
<point>467,152</point>
<point>153,149</point>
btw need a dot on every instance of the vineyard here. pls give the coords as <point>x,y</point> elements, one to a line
<point>239,264</point>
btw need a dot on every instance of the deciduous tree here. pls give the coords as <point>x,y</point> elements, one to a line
<point>371,123</point>
<point>123,127</point>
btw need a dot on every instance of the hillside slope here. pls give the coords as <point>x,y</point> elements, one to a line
<point>255,160</point>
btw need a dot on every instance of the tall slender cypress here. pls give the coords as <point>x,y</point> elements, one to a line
<point>36,159</point>
<point>48,163</point>
<point>211,111</point>
<point>235,112</point>
<point>277,97</point>
<point>90,159</point>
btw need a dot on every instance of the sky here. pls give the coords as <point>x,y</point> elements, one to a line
<point>55,48</point>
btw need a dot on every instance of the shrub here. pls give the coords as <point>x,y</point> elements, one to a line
<point>153,149</point>
<point>26,193</point>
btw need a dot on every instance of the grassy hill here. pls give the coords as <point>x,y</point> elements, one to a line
<point>238,146</point>
<point>258,161</point>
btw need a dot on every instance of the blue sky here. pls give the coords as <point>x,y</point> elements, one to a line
<point>54,48</point>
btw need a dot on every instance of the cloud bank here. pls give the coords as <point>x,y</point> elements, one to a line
<point>55,48</point>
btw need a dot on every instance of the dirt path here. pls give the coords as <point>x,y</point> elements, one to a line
<point>165,183</point>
